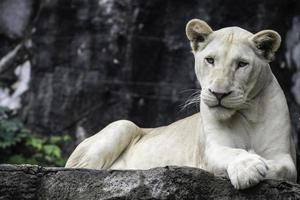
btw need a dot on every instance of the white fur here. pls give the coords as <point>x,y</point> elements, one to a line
<point>247,141</point>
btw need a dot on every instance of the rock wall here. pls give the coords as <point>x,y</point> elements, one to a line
<point>98,61</point>
<point>34,182</point>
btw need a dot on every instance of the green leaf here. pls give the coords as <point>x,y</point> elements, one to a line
<point>35,142</point>
<point>52,150</point>
<point>59,139</point>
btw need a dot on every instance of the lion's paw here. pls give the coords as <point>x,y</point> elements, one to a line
<point>246,171</point>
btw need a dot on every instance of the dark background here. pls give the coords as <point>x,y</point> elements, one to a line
<point>97,61</point>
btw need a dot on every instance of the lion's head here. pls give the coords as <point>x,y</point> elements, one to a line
<point>231,64</point>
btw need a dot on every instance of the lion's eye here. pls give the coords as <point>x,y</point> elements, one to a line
<point>210,60</point>
<point>241,64</point>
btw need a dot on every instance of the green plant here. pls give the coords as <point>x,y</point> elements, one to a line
<point>18,145</point>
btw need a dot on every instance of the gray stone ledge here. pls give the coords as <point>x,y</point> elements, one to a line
<point>35,182</point>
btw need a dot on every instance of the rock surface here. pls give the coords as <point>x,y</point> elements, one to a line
<point>34,182</point>
<point>15,16</point>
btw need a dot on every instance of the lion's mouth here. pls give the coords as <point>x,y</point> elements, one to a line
<point>219,105</point>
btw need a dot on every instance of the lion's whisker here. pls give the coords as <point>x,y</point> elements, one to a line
<point>194,98</point>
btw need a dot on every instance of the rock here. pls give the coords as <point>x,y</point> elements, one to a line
<point>15,16</point>
<point>35,182</point>
<point>16,21</point>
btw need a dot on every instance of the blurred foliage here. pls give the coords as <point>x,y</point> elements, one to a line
<point>19,146</point>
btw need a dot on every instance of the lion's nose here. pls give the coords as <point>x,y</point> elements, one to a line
<point>220,95</point>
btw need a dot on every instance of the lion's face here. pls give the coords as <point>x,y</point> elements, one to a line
<point>229,65</point>
<point>227,68</point>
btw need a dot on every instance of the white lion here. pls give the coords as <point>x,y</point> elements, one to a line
<point>243,129</point>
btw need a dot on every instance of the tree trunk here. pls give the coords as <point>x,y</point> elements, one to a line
<point>35,182</point>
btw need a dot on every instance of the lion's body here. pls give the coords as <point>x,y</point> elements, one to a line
<point>169,145</point>
<point>244,134</point>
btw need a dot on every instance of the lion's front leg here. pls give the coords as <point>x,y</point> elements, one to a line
<point>244,169</point>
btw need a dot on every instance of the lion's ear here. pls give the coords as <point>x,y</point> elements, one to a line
<point>267,42</point>
<point>197,31</point>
